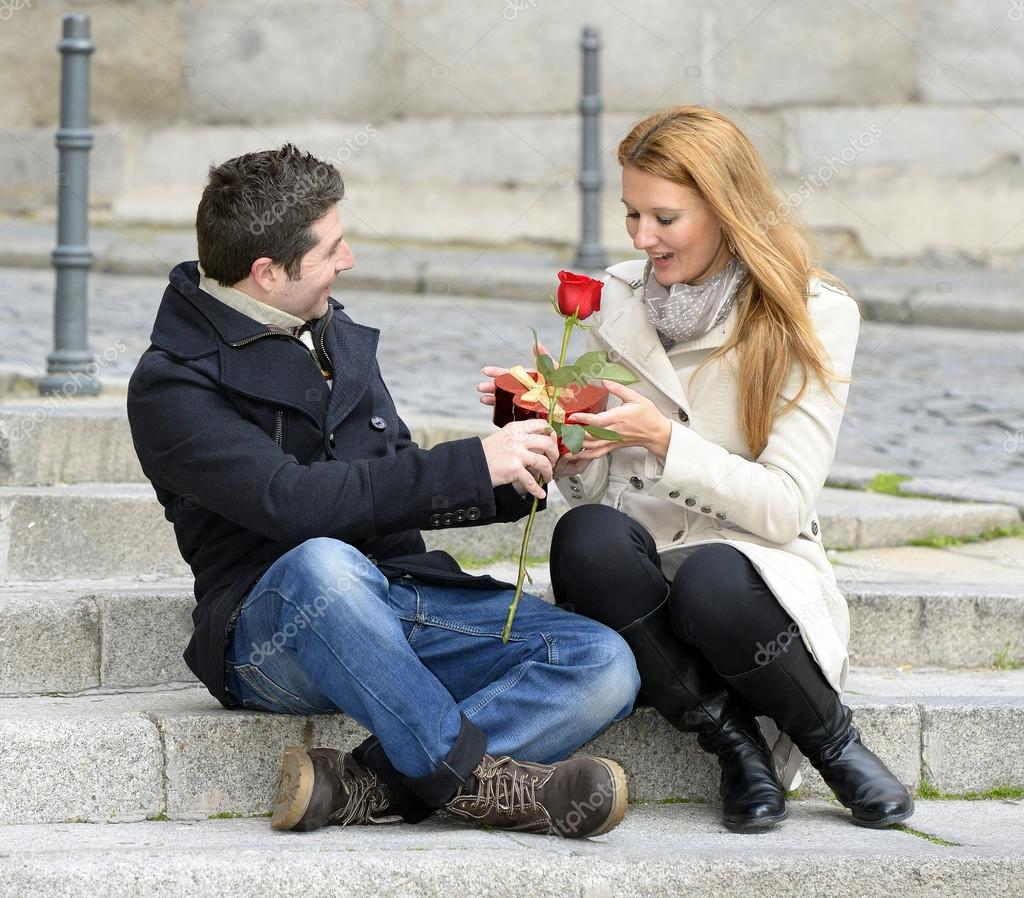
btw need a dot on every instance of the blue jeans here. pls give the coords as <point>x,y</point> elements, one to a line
<point>324,631</point>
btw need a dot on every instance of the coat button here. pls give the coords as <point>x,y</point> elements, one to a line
<point>814,527</point>
<point>706,509</point>
<point>378,423</point>
<point>574,479</point>
<point>435,520</point>
<point>330,440</point>
<point>460,516</point>
<point>472,514</point>
<point>683,416</point>
<point>720,515</point>
<point>691,501</point>
<point>674,494</point>
<point>636,483</point>
<point>679,535</point>
<point>447,518</point>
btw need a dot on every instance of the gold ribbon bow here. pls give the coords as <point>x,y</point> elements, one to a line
<point>537,391</point>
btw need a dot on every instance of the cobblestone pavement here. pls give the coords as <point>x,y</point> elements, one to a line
<point>935,401</point>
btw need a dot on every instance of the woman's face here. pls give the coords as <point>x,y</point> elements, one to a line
<point>674,226</point>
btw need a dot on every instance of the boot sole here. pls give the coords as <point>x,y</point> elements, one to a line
<point>620,797</point>
<point>884,822</point>
<point>762,825</point>
<point>294,788</point>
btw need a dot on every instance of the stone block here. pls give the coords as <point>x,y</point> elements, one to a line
<point>243,61</point>
<point>219,761</point>
<point>971,52</point>
<point>46,441</point>
<point>100,767</point>
<point>973,747</point>
<point>523,56</point>
<point>50,643</point>
<point>85,531</point>
<point>803,54</point>
<point>961,139</point>
<point>965,627</point>
<point>136,68</point>
<point>144,635</point>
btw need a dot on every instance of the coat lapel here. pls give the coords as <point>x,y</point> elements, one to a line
<point>353,351</point>
<point>279,370</point>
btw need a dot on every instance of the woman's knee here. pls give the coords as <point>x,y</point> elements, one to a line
<point>709,591</point>
<point>590,531</point>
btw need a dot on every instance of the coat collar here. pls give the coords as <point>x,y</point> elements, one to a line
<point>625,329</point>
<point>262,364</point>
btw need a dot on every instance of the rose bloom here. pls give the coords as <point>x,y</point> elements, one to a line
<point>578,293</point>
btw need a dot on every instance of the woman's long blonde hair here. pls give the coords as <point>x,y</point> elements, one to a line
<point>700,149</point>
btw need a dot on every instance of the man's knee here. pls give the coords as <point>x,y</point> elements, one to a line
<point>612,681</point>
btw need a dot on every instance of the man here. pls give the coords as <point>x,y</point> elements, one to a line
<point>297,497</point>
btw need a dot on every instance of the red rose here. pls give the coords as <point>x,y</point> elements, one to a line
<point>578,293</point>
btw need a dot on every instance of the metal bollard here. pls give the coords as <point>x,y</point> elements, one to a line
<point>591,253</point>
<point>67,367</point>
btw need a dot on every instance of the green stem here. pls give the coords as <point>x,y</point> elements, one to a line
<point>552,403</point>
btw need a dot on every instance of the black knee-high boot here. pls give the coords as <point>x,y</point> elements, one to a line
<point>683,687</point>
<point>791,689</point>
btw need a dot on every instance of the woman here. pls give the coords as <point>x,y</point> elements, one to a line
<point>696,536</point>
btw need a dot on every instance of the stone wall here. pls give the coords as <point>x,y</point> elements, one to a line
<point>896,126</point>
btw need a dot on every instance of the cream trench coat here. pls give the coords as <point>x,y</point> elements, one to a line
<point>709,489</point>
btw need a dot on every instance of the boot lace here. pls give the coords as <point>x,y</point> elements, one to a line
<point>510,789</point>
<point>365,802</point>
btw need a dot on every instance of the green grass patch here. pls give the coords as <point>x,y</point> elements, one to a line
<point>928,792</point>
<point>903,828</point>
<point>934,541</point>
<point>674,800</point>
<point>475,561</point>
<point>1003,661</point>
<point>161,818</point>
<point>887,482</point>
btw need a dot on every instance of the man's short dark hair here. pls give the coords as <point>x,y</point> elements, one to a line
<point>263,204</point>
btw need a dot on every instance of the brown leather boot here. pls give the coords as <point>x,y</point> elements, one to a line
<point>575,798</point>
<point>324,786</point>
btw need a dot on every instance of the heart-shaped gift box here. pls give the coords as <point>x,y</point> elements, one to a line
<point>509,404</point>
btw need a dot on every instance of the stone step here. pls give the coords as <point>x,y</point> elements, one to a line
<point>92,531</point>
<point>175,752</point>
<point>949,849</point>
<point>121,634</point>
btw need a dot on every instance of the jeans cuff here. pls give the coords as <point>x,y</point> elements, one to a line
<point>406,802</point>
<point>437,787</point>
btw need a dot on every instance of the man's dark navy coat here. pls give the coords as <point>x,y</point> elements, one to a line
<point>251,453</point>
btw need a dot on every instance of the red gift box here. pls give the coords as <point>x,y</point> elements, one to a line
<point>509,404</point>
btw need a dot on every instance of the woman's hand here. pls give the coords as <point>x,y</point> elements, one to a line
<point>486,389</point>
<point>637,420</point>
<point>570,464</point>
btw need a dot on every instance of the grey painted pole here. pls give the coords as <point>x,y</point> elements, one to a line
<point>68,366</point>
<point>591,253</point>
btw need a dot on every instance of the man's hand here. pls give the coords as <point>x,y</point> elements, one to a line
<point>486,389</point>
<point>521,451</point>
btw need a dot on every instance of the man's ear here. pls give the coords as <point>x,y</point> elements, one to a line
<point>265,273</point>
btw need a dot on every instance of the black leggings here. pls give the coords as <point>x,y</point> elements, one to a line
<point>606,566</point>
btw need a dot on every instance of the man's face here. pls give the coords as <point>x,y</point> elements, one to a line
<point>306,295</point>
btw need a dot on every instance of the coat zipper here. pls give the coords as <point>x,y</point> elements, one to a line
<point>316,362</point>
<point>279,429</point>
